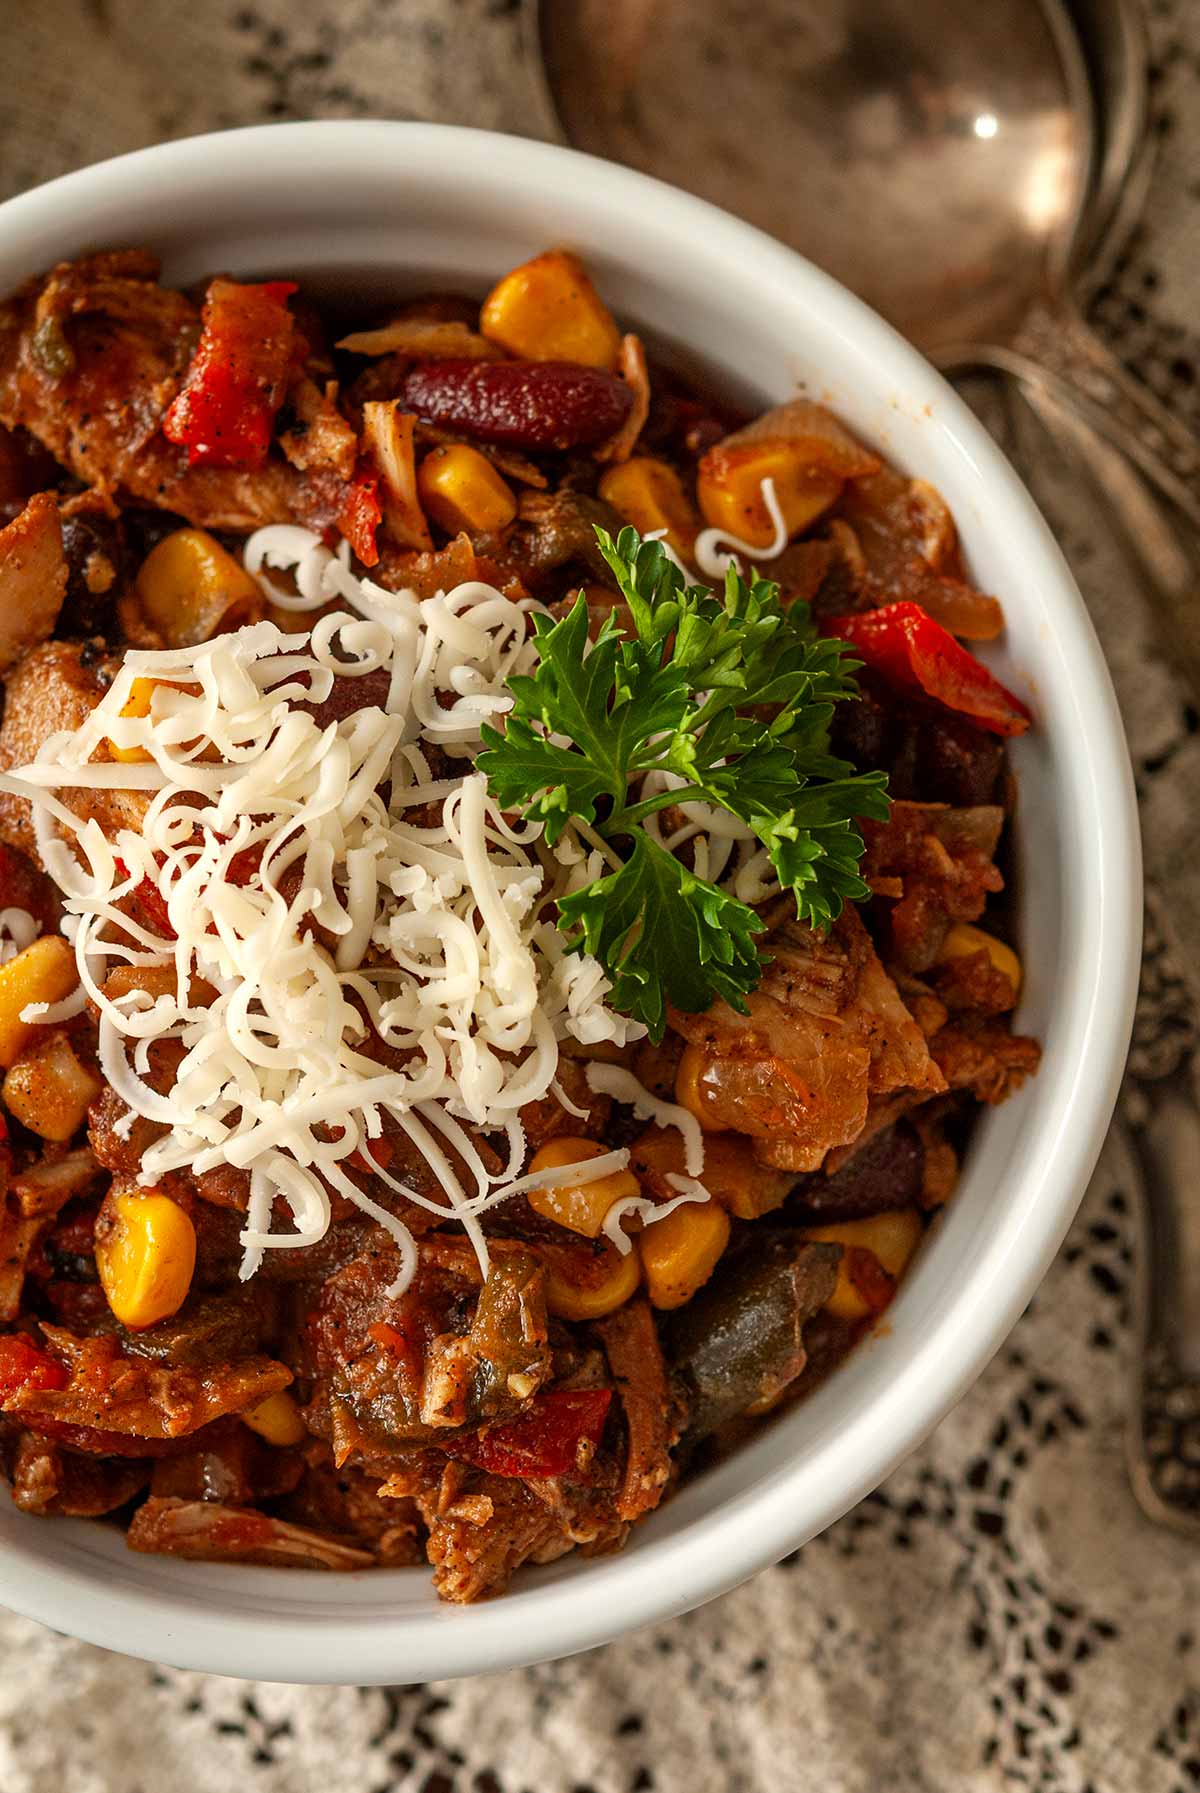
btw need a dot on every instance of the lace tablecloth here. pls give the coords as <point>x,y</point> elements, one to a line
<point>999,1614</point>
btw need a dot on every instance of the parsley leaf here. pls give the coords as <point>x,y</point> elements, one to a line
<point>732,694</point>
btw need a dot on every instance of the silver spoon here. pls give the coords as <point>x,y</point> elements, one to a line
<point>937,158</point>
<point>943,161</point>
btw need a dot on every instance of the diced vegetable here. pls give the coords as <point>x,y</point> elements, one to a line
<point>904,644</point>
<point>802,448</point>
<point>22,1365</point>
<point>741,1341</point>
<point>578,1206</point>
<point>680,1252</point>
<point>590,1283</point>
<point>44,972</point>
<point>875,1253</point>
<point>460,489</point>
<point>361,514</point>
<point>729,487</point>
<point>277,1419</point>
<point>964,940</point>
<point>556,1436</point>
<point>49,1088</point>
<point>191,588</point>
<point>650,495</point>
<point>225,412</point>
<point>145,1254</point>
<point>548,310</point>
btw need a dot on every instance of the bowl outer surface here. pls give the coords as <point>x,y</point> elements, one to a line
<point>367,210</point>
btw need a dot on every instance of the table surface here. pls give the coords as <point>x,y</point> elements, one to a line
<point>999,1614</point>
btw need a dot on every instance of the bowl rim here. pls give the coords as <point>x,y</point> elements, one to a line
<point>723,1547</point>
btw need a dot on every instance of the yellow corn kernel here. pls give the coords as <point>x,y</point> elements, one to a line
<point>650,495</point>
<point>580,1207</point>
<point>44,972</point>
<point>597,1286</point>
<point>190,589</point>
<point>137,705</point>
<point>277,1419</point>
<point>891,1238</point>
<point>548,310</point>
<point>689,1087</point>
<point>680,1252</point>
<point>729,488</point>
<point>460,489</point>
<point>49,1088</point>
<point>963,940</point>
<point>732,1174</point>
<point>145,1254</point>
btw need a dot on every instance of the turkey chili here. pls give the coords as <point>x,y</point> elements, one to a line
<point>499,938</point>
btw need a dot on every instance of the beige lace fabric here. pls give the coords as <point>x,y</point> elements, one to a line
<point>998,1615</point>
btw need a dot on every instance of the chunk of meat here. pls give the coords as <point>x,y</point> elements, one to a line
<point>116,1393</point>
<point>477,1539</point>
<point>347,1504</point>
<point>33,578</point>
<point>91,356</point>
<point>46,1479</point>
<point>943,859</point>
<point>207,1532</point>
<point>983,1057</point>
<point>317,435</point>
<point>55,688</point>
<point>556,528</point>
<point>652,1423</point>
<point>826,1030</point>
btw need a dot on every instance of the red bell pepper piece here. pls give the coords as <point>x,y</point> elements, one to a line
<point>545,1440</point>
<point>904,644</point>
<point>22,1365</point>
<point>361,514</point>
<point>224,414</point>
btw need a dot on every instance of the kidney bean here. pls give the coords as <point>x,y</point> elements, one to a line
<point>521,404</point>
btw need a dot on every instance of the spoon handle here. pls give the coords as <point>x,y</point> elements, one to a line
<point>1057,338</point>
<point>1164,1436</point>
<point>1156,512</point>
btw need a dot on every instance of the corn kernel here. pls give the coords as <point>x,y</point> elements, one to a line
<point>963,941</point>
<point>136,705</point>
<point>650,495</point>
<point>49,1088</point>
<point>729,488</point>
<point>44,972</point>
<point>594,1286</point>
<point>679,1253</point>
<point>732,1174</point>
<point>689,1087</point>
<point>277,1419</point>
<point>460,489</point>
<point>190,589</point>
<point>145,1255</point>
<point>891,1239</point>
<point>548,310</point>
<point>580,1207</point>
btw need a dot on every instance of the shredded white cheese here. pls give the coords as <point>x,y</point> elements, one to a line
<point>339,962</point>
<point>18,929</point>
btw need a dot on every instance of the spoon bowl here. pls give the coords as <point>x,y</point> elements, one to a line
<point>935,159</point>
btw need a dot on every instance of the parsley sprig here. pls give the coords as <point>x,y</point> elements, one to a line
<point>733,693</point>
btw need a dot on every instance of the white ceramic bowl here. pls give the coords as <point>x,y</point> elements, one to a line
<point>371,210</point>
